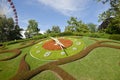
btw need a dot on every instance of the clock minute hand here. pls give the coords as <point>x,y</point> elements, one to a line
<point>57,41</point>
<point>60,44</point>
<point>63,49</point>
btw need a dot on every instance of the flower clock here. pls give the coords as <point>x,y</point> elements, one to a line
<point>56,48</point>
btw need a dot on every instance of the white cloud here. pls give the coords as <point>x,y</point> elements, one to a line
<point>5,9</point>
<point>66,7</point>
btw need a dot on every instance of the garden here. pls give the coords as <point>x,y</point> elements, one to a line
<point>88,58</point>
<point>61,41</point>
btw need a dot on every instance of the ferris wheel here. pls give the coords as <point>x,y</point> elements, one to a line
<point>7,9</point>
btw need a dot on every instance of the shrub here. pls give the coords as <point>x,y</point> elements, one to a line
<point>95,35</point>
<point>115,37</point>
<point>104,35</point>
<point>78,34</point>
<point>3,46</point>
<point>39,37</point>
<point>15,41</point>
<point>66,34</point>
<point>54,34</point>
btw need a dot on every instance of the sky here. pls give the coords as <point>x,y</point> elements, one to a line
<point>56,12</point>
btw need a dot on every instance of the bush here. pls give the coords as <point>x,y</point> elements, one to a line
<point>54,34</point>
<point>104,35</point>
<point>94,35</point>
<point>97,35</point>
<point>15,41</point>
<point>66,34</point>
<point>78,34</point>
<point>1,44</point>
<point>39,37</point>
<point>115,37</point>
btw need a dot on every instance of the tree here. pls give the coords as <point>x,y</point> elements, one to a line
<point>113,13</point>
<point>55,29</point>
<point>72,24</point>
<point>48,31</point>
<point>15,34</point>
<point>3,22</point>
<point>69,29</point>
<point>114,26</point>
<point>92,27</point>
<point>8,30</point>
<point>75,25</point>
<point>32,29</point>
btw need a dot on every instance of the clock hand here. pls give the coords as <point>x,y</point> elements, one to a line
<point>54,40</point>
<point>57,41</point>
<point>60,44</point>
<point>64,50</point>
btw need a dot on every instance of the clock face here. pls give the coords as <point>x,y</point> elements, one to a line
<point>55,49</point>
<point>52,45</point>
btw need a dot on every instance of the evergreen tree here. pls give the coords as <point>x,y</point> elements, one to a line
<point>8,30</point>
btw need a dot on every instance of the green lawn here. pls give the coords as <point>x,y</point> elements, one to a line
<point>100,64</point>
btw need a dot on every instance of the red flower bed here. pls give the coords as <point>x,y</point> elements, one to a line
<point>50,45</point>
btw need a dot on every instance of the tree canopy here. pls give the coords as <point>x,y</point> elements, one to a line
<point>32,29</point>
<point>54,29</point>
<point>75,25</point>
<point>9,31</point>
<point>113,13</point>
<point>92,27</point>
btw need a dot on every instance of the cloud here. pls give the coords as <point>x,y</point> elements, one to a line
<point>66,7</point>
<point>5,9</point>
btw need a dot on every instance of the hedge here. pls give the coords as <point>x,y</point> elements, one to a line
<point>115,37</point>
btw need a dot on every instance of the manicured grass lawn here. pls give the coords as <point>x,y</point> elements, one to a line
<point>100,64</point>
<point>5,55</point>
<point>17,45</point>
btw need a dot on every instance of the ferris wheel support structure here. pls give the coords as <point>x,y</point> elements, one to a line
<point>14,10</point>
